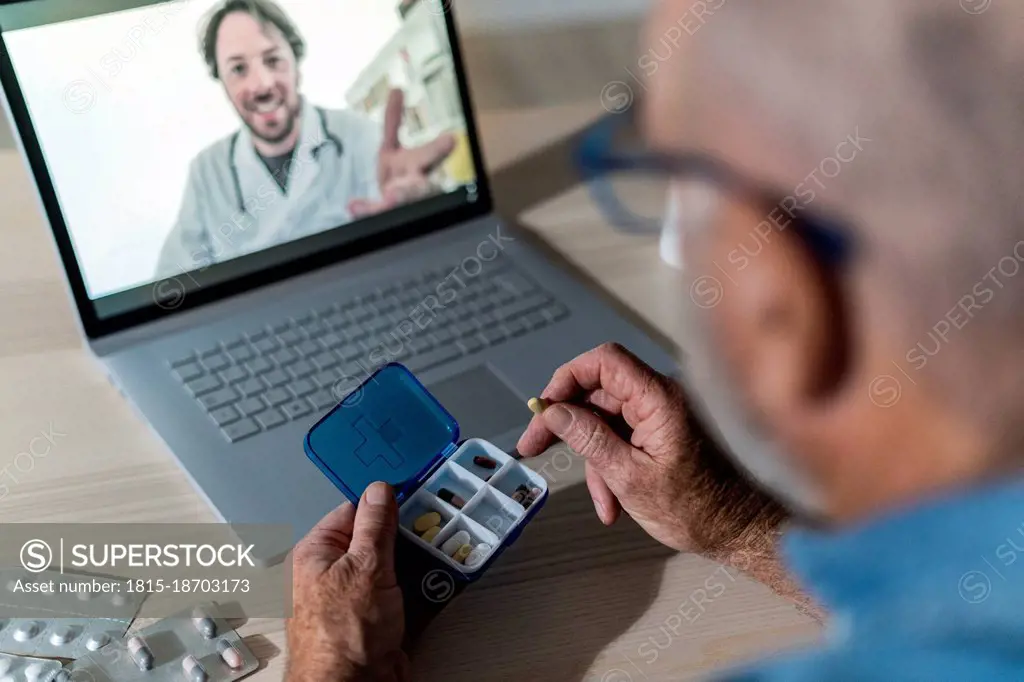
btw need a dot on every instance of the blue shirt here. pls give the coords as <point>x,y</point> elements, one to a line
<point>931,593</point>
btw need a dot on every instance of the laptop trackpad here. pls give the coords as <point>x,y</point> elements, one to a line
<point>481,402</point>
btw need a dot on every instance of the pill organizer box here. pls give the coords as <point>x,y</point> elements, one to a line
<point>392,429</point>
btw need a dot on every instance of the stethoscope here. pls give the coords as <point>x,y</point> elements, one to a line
<point>331,139</point>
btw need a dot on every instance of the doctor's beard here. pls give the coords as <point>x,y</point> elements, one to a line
<point>270,134</point>
<point>709,385</point>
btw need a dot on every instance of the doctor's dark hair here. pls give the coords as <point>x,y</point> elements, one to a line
<point>264,11</point>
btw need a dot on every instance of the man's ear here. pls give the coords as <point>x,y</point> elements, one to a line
<point>782,319</point>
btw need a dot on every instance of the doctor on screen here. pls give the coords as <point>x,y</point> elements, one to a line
<point>293,169</point>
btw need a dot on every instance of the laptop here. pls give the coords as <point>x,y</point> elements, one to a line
<point>250,226</point>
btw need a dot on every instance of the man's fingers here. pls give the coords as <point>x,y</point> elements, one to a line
<point>373,537</point>
<point>535,439</point>
<point>605,503</point>
<point>619,375</point>
<point>328,541</point>
<point>423,160</point>
<point>403,189</point>
<point>393,113</point>
<point>588,435</point>
<point>360,208</point>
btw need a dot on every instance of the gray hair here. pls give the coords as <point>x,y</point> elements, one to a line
<point>938,86</point>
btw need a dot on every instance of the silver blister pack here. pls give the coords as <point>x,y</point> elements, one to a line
<point>193,646</point>
<point>59,637</point>
<point>63,624</point>
<point>27,669</point>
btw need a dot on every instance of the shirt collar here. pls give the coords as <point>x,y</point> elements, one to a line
<point>960,557</point>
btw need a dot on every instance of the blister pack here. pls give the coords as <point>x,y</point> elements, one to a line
<point>73,615</point>
<point>195,645</point>
<point>27,669</point>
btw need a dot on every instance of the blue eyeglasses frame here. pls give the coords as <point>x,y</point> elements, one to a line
<point>829,239</point>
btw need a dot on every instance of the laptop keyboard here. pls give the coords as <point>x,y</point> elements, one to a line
<point>301,366</point>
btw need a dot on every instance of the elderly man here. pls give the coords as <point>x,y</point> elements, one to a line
<point>856,340</point>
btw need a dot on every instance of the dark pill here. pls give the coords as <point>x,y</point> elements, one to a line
<point>451,498</point>
<point>485,462</point>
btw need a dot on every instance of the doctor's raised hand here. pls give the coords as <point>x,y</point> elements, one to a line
<point>402,174</point>
<point>349,621</point>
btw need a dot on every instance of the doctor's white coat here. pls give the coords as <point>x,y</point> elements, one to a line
<point>233,206</point>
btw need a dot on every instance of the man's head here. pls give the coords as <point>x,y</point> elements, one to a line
<point>253,48</point>
<point>897,375</point>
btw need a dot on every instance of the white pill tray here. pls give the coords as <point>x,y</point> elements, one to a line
<point>490,515</point>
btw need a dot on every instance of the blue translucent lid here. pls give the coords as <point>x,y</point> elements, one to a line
<point>389,429</point>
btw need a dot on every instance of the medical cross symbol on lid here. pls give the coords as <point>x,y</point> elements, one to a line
<point>378,443</point>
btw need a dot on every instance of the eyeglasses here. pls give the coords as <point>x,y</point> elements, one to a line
<point>631,185</point>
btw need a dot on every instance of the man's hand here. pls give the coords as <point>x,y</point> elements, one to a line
<point>348,621</point>
<point>402,174</point>
<point>643,455</point>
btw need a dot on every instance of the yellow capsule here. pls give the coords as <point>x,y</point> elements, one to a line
<point>426,522</point>
<point>537,405</point>
<point>461,553</point>
<point>431,533</point>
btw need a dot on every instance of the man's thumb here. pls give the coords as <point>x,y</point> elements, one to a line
<point>586,433</point>
<point>373,538</point>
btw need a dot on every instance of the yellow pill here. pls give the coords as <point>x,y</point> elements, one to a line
<point>426,522</point>
<point>431,534</point>
<point>537,405</point>
<point>461,553</point>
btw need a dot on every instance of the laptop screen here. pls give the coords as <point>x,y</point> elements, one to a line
<point>191,142</point>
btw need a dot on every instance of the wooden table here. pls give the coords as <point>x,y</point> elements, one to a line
<point>571,601</point>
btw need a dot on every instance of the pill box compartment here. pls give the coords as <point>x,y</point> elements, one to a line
<point>420,504</point>
<point>514,475</point>
<point>397,432</point>
<point>494,511</point>
<point>489,516</point>
<point>454,479</point>
<point>466,456</point>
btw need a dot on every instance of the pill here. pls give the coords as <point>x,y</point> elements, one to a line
<point>519,496</point>
<point>193,669</point>
<point>26,631</point>
<point>61,635</point>
<point>462,552</point>
<point>427,521</point>
<point>84,595</point>
<point>485,462</point>
<point>119,600</point>
<point>33,671</point>
<point>535,492</point>
<point>204,624</point>
<point>537,405</point>
<point>5,664</point>
<point>97,641</point>
<point>431,534</point>
<point>63,676</point>
<point>451,498</point>
<point>230,655</point>
<point>476,557</point>
<point>140,653</point>
<point>452,544</point>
